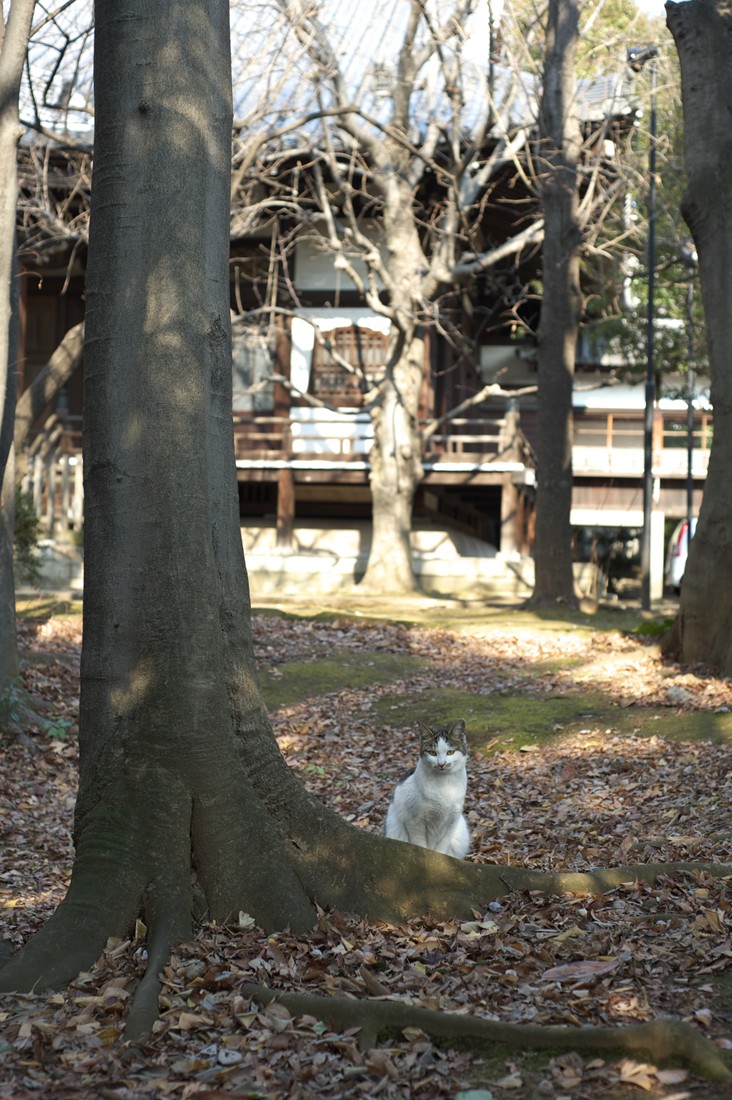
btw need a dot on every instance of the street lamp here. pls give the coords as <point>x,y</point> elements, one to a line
<point>690,260</point>
<point>637,57</point>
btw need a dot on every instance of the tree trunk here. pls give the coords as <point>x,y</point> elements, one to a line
<point>396,452</point>
<point>8,630</point>
<point>14,36</point>
<point>703,36</point>
<point>396,470</point>
<point>9,659</point>
<point>560,308</point>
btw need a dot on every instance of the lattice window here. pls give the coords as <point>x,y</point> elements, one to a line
<point>363,349</point>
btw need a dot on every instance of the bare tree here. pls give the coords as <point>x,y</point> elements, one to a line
<point>19,36</point>
<point>400,153</point>
<point>394,174</point>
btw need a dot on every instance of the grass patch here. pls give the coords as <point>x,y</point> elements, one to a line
<point>295,681</point>
<point>48,607</point>
<point>533,719</point>
<point>516,720</point>
<point>462,615</point>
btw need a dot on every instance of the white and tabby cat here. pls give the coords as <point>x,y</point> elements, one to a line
<point>427,805</point>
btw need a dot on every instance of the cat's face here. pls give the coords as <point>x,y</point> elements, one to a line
<point>445,748</point>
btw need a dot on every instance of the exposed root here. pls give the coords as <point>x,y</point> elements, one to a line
<point>659,1040</point>
<point>602,879</point>
<point>74,937</point>
<point>57,953</point>
<point>170,921</point>
<point>392,880</point>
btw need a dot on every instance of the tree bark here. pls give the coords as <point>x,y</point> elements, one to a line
<point>561,306</point>
<point>396,471</point>
<point>661,1039</point>
<point>703,35</point>
<point>14,34</point>
<point>396,452</point>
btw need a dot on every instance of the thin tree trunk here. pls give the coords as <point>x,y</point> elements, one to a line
<point>703,35</point>
<point>396,453</point>
<point>13,43</point>
<point>8,632</point>
<point>560,308</point>
<point>396,470</point>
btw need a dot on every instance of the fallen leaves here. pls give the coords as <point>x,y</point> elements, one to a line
<point>582,800</point>
<point>580,971</point>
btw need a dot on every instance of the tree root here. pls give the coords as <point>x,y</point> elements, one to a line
<point>168,910</point>
<point>661,1039</point>
<point>391,880</point>
<point>602,879</point>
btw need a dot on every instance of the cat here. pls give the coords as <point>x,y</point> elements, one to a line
<point>426,807</point>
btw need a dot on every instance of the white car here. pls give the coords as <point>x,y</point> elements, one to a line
<point>676,553</point>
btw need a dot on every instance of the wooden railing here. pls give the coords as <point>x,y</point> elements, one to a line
<point>613,445</point>
<point>343,437</point>
<point>54,476</point>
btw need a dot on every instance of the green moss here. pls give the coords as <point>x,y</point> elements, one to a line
<point>292,682</point>
<point>515,719</point>
<point>654,628</point>
<point>461,615</point>
<point>47,608</point>
<point>535,718</point>
<point>525,717</point>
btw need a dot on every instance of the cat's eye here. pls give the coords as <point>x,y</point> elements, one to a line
<point>431,752</point>
<point>450,752</point>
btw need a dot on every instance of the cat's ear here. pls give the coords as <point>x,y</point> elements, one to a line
<point>457,733</point>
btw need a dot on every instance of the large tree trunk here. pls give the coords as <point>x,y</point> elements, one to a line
<point>703,36</point>
<point>558,158</point>
<point>13,42</point>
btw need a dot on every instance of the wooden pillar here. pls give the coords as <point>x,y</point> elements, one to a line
<point>285,508</point>
<point>510,515</point>
<point>512,519</point>
<point>77,520</point>
<point>508,439</point>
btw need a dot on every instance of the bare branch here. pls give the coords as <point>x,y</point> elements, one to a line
<point>493,389</point>
<point>468,266</point>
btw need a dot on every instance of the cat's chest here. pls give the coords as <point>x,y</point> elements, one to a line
<point>440,789</point>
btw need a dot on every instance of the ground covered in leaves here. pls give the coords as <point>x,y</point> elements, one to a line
<point>628,760</point>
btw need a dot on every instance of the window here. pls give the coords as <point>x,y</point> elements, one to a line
<point>363,349</point>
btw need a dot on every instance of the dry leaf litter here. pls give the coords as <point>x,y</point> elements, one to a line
<point>591,799</point>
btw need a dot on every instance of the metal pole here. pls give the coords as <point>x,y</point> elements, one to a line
<point>650,396</point>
